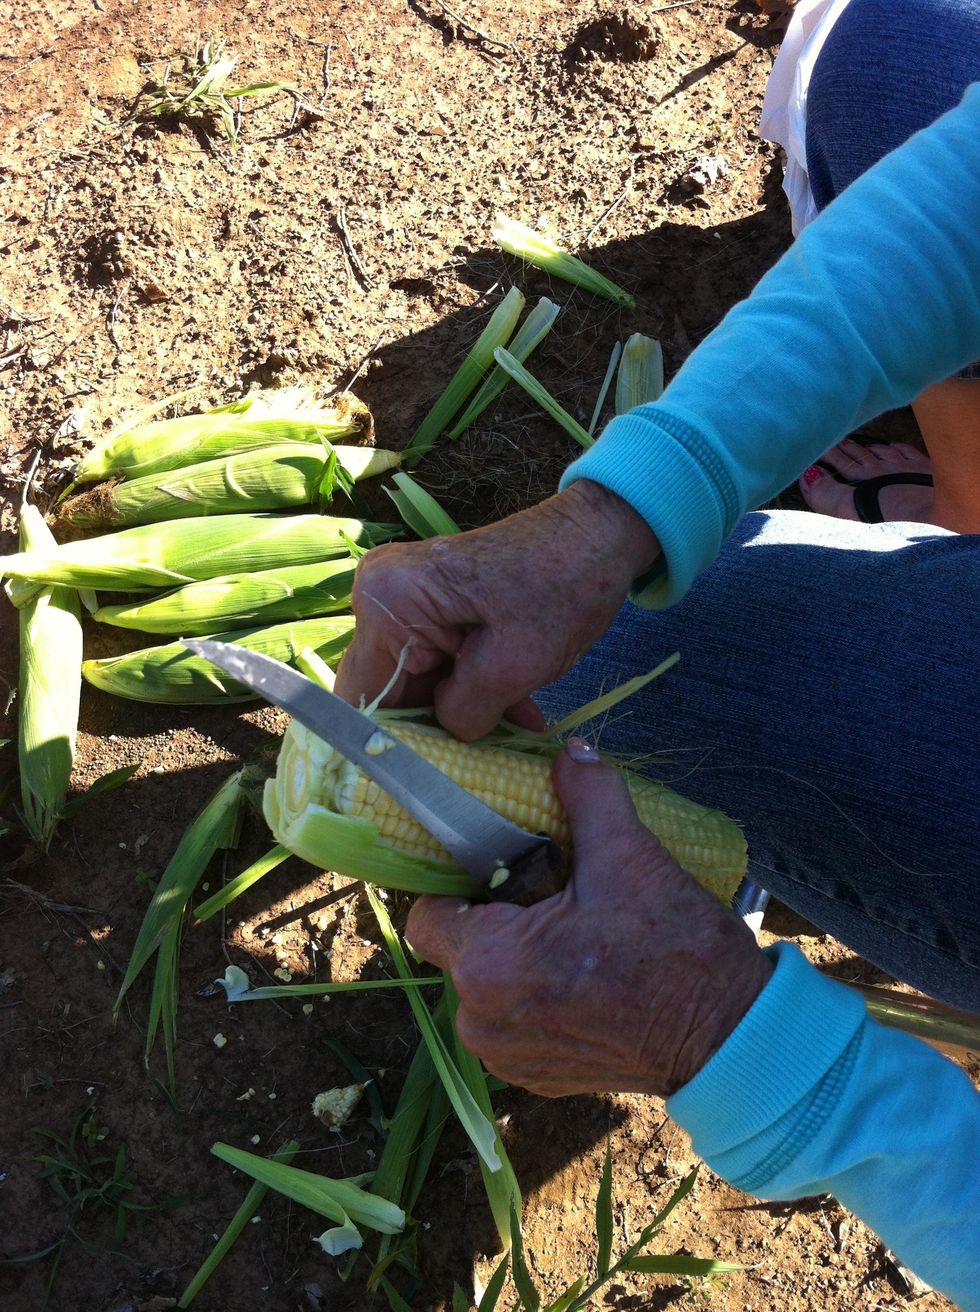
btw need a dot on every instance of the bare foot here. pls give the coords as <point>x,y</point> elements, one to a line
<point>829,495</point>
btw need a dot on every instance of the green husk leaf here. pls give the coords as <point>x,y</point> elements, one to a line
<point>271,596</point>
<point>236,1225</point>
<point>184,550</point>
<point>262,418</point>
<point>679,1264</point>
<point>565,1300</point>
<point>214,827</point>
<point>641,374</point>
<point>530,1299</point>
<point>419,509</point>
<point>488,1303</point>
<point>542,397</point>
<point>528,337</point>
<point>262,866</point>
<point>480,1130</point>
<point>238,988</point>
<point>600,401</point>
<point>604,1217</point>
<point>466,379</point>
<point>49,687</point>
<point>503,1190</point>
<point>337,1200</point>
<point>269,478</point>
<point>517,239</point>
<point>106,783</point>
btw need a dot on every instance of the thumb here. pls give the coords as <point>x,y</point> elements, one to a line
<point>440,929</point>
<point>609,841</point>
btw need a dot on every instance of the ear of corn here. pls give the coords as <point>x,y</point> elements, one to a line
<point>314,785</point>
<point>50,659</point>
<point>261,419</point>
<point>172,674</point>
<point>181,550</point>
<point>271,478</point>
<point>233,600</point>
<point>526,244</point>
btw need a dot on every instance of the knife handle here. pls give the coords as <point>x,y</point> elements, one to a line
<point>539,873</point>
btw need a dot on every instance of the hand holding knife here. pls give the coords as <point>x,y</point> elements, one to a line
<point>513,865</point>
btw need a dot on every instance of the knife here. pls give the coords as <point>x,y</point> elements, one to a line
<point>481,840</point>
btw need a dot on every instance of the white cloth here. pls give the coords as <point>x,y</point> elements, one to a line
<point>784,108</point>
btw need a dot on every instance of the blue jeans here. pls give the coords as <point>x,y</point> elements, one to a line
<point>888,69</point>
<point>827,698</point>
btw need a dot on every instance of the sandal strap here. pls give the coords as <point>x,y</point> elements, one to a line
<point>866,493</point>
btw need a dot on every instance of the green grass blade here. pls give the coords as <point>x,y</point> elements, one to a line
<point>542,397</point>
<point>236,1225</point>
<point>466,378</point>
<point>480,1130</point>
<point>528,337</point>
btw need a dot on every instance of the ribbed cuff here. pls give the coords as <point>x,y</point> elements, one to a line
<point>668,473</point>
<point>794,1033</point>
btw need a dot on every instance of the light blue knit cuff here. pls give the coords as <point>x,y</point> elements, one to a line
<point>764,1076</point>
<point>666,471</point>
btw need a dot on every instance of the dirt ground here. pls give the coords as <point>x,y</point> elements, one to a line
<point>138,260</point>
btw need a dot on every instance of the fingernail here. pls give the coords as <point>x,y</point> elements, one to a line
<point>811,475</point>
<point>463,906</point>
<point>582,752</point>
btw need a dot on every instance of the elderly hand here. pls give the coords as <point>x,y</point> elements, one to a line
<point>628,980</point>
<point>493,615</point>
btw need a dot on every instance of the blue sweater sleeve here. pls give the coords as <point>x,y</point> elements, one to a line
<point>811,1096</point>
<point>878,298</point>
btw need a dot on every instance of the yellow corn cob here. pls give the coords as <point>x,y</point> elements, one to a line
<point>313,779</point>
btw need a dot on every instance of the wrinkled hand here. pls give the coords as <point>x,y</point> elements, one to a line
<point>495,614</point>
<point>627,981</point>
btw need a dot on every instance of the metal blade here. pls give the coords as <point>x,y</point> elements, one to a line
<point>481,841</point>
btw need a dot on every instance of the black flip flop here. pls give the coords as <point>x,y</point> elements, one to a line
<point>866,492</point>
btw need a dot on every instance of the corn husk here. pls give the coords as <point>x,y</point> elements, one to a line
<point>271,478</point>
<point>235,600</point>
<point>260,419</point>
<point>467,378</point>
<point>49,685</point>
<point>517,239</point>
<point>641,373</point>
<point>173,675</point>
<point>182,550</point>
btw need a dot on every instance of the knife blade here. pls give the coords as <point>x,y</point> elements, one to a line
<point>481,840</point>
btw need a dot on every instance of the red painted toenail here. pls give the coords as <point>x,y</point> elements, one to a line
<point>811,475</point>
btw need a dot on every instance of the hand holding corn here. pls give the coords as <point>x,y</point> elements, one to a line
<point>627,981</point>
<point>492,615</point>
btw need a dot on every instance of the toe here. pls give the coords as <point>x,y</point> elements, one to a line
<point>825,495</point>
